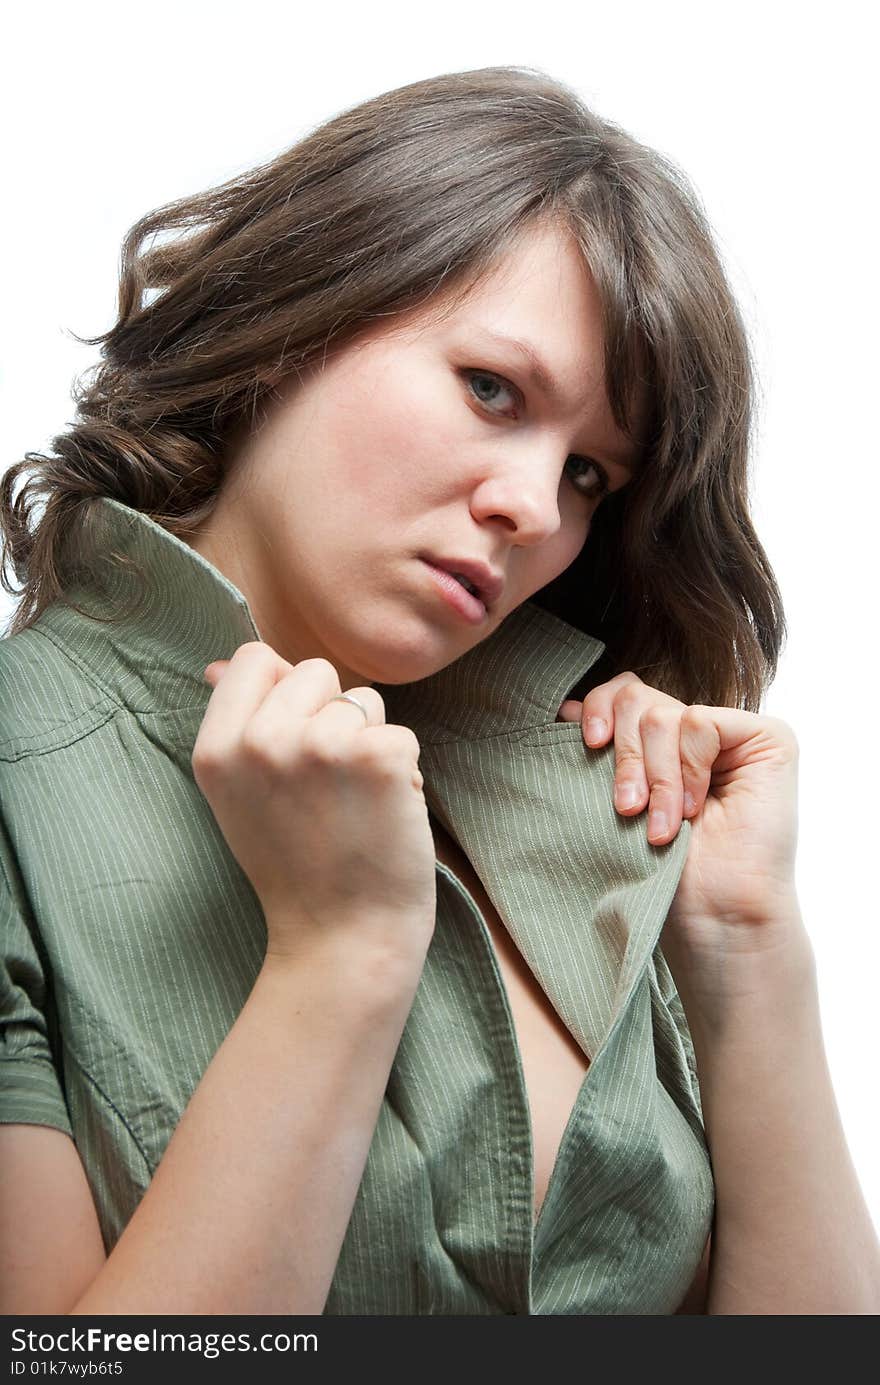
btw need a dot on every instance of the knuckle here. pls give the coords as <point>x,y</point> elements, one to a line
<point>319,664</point>
<point>627,757</point>
<point>206,760</point>
<point>252,650</point>
<point>320,669</point>
<point>410,742</point>
<point>400,743</point>
<point>318,750</point>
<point>784,733</point>
<point>316,747</point>
<point>391,752</point>
<point>371,757</point>
<point>693,715</point>
<point>665,784</point>
<point>368,696</point>
<point>257,749</point>
<point>657,717</point>
<point>629,695</point>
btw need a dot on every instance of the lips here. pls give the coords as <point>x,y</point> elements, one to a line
<point>488,583</point>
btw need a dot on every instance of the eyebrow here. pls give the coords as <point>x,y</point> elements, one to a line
<point>540,376</point>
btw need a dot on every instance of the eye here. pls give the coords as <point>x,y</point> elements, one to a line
<point>484,386</point>
<point>598,489</point>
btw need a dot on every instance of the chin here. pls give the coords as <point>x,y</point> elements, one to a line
<point>406,656</point>
<point>396,667</point>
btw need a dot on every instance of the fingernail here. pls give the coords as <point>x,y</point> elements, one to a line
<point>627,795</point>
<point>658,823</point>
<point>597,729</point>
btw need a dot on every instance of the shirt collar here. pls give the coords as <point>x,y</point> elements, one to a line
<point>581,891</point>
<point>192,614</point>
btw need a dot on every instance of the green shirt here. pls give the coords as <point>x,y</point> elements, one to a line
<point>132,939</point>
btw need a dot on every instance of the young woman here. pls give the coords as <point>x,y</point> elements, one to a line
<point>398,874</point>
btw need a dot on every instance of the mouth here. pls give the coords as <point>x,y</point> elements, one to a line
<point>476,577</point>
<point>457,594</point>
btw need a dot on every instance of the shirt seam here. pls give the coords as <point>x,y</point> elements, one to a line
<point>108,1100</point>
<point>79,663</point>
<point>539,729</point>
<point>22,747</point>
<point>93,677</point>
<point>562,638</point>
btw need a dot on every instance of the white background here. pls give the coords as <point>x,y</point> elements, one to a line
<point>109,110</point>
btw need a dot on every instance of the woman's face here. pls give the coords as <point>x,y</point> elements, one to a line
<point>424,438</point>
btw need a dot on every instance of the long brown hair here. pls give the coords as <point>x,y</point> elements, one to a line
<point>412,194</point>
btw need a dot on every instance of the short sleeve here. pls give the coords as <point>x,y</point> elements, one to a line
<point>31,1091</point>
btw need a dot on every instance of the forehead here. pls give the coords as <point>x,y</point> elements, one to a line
<point>538,289</point>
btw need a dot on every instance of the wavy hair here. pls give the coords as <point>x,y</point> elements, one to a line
<point>407,196</point>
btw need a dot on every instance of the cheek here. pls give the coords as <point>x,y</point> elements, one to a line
<point>395,432</point>
<point>419,421</point>
<point>560,552</point>
<point>544,564</point>
<point>573,533</point>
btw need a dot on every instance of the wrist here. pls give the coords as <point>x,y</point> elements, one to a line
<point>369,978</point>
<point>729,970</point>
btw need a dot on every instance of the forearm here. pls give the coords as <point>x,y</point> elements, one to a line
<point>792,1232</point>
<point>249,1206</point>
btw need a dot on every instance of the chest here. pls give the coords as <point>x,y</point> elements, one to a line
<point>553,1063</point>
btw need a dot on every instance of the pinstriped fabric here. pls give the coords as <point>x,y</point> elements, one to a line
<point>132,939</point>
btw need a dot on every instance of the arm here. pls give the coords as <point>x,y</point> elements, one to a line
<point>248,1208</point>
<point>50,1240</point>
<point>792,1233</point>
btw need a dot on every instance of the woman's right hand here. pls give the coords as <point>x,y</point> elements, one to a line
<point>323,811</point>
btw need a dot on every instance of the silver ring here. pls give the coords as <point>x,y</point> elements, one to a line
<point>347,697</point>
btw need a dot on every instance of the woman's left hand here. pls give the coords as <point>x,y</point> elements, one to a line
<point>733,774</point>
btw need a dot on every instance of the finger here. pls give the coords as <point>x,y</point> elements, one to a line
<point>597,708</point>
<point>744,737</point>
<point>630,781</point>
<point>329,720</point>
<point>569,711</point>
<point>700,743</point>
<point>660,728</point>
<point>214,672</point>
<point>251,674</point>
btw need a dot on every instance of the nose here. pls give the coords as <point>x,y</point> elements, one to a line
<point>522,488</point>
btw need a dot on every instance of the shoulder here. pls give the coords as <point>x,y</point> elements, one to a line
<point>47,697</point>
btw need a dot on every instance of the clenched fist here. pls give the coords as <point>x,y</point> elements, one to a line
<point>322,809</point>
